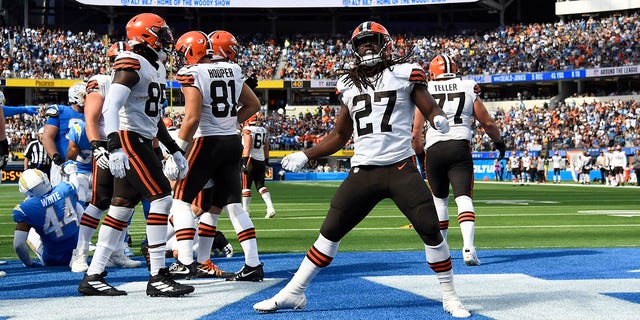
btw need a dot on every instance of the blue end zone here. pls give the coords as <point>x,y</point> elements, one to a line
<point>341,291</point>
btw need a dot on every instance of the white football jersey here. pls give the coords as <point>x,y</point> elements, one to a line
<point>143,108</point>
<point>619,159</point>
<point>526,162</point>
<point>258,139</point>
<point>382,118</point>
<point>456,98</point>
<point>220,84</point>
<point>100,83</point>
<point>556,162</point>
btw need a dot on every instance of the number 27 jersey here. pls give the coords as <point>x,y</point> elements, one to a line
<point>382,117</point>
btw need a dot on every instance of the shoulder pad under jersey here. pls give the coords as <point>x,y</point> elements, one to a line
<point>52,111</point>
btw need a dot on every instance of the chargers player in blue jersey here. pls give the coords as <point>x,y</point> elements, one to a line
<point>60,119</point>
<point>79,151</point>
<point>47,219</point>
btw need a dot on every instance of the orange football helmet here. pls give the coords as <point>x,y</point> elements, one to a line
<point>442,67</point>
<point>193,46</point>
<point>149,29</point>
<point>116,48</point>
<point>375,33</point>
<point>252,120</point>
<point>224,45</point>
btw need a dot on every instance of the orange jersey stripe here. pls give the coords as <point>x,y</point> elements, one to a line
<point>188,79</point>
<point>418,75</point>
<point>444,225</point>
<point>126,64</point>
<point>92,86</point>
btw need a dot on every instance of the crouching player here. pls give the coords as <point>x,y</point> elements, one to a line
<point>47,220</point>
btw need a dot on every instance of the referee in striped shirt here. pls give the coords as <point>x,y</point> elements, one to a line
<point>35,156</point>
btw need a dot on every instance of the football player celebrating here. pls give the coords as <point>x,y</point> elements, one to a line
<point>132,119</point>
<point>448,153</point>
<point>378,98</point>
<point>213,89</point>
<point>255,159</point>
<point>102,179</point>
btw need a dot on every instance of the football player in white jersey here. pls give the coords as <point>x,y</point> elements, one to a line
<point>525,175</point>
<point>619,162</point>
<point>255,159</point>
<point>102,179</point>
<point>216,99</point>
<point>556,164</point>
<point>378,97</point>
<point>448,154</point>
<point>132,119</point>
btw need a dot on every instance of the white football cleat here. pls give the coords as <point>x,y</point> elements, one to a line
<point>78,261</point>
<point>470,256</point>
<point>119,259</point>
<point>281,301</point>
<point>453,306</point>
<point>271,212</point>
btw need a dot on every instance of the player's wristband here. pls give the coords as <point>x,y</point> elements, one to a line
<point>95,144</point>
<point>113,141</point>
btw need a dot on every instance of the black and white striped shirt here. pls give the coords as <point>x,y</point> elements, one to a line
<point>37,156</point>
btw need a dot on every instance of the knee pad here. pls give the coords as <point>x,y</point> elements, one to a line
<point>442,208</point>
<point>464,204</point>
<point>162,205</point>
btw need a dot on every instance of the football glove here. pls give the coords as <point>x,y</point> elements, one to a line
<point>294,161</point>
<point>170,169</point>
<point>118,163</point>
<point>69,167</point>
<point>57,159</point>
<point>502,147</point>
<point>245,168</point>
<point>182,164</point>
<point>441,124</point>
<point>100,153</point>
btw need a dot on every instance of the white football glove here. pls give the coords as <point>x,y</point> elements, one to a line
<point>170,169</point>
<point>118,163</point>
<point>182,164</point>
<point>441,124</point>
<point>294,161</point>
<point>69,167</point>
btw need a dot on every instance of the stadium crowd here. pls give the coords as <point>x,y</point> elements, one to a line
<point>588,42</point>
<point>584,43</point>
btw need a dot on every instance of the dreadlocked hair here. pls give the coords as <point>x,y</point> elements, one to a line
<point>364,77</point>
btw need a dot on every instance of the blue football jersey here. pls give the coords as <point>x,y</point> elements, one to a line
<point>78,135</point>
<point>63,117</point>
<point>54,217</point>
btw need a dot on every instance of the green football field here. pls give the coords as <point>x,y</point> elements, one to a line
<point>507,217</point>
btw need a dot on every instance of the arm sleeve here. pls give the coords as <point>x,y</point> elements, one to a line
<point>116,98</point>
<point>12,111</point>
<point>21,248</point>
